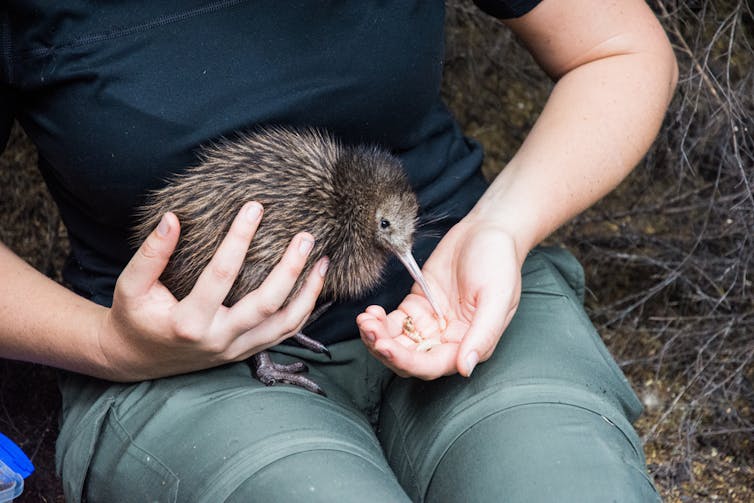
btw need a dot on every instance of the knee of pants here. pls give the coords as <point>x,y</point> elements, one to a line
<point>542,452</point>
<point>511,441</point>
<point>216,436</point>
<point>321,475</point>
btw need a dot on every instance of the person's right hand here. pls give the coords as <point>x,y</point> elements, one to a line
<point>148,333</point>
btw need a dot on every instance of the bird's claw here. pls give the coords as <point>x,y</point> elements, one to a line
<point>269,373</point>
<point>311,344</point>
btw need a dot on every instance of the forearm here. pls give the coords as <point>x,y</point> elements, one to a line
<point>43,322</point>
<point>598,123</point>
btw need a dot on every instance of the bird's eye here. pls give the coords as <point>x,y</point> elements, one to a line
<point>384,223</point>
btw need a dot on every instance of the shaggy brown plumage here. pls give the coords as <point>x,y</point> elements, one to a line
<point>356,201</point>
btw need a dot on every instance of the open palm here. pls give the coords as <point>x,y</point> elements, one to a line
<point>475,274</point>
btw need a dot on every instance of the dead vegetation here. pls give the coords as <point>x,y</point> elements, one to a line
<point>668,255</point>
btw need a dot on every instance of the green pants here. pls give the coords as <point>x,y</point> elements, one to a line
<point>547,418</point>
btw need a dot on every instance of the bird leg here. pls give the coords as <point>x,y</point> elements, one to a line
<point>307,341</point>
<point>271,373</point>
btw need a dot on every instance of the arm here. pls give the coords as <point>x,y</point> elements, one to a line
<point>148,333</point>
<point>36,317</point>
<point>615,73</point>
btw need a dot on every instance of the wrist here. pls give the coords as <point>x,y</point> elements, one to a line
<point>508,222</point>
<point>100,322</point>
<point>112,350</point>
<point>520,203</point>
<point>95,361</point>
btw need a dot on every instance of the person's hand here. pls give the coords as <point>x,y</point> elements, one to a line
<point>475,272</point>
<point>148,333</point>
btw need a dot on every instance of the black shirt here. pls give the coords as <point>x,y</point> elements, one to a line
<point>117,95</point>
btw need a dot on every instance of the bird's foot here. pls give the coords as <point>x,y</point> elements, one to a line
<point>271,373</point>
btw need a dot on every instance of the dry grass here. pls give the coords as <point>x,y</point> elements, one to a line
<point>668,255</point>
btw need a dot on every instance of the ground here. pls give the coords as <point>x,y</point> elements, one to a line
<point>666,255</point>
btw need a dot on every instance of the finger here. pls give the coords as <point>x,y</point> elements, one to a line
<point>377,311</point>
<point>296,313</point>
<point>373,324</point>
<point>427,365</point>
<point>149,261</point>
<point>267,300</point>
<point>422,314</point>
<point>371,327</point>
<point>218,277</point>
<point>399,353</point>
<point>286,322</point>
<point>393,322</point>
<point>487,326</point>
<point>426,327</point>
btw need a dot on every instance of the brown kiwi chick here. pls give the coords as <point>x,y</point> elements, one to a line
<point>355,200</point>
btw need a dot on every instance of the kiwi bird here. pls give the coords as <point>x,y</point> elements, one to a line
<point>355,200</point>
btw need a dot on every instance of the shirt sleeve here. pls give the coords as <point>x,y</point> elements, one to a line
<point>506,9</point>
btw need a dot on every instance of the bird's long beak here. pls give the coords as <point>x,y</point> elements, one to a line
<point>413,269</point>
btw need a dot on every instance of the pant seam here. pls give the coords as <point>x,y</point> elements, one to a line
<point>414,473</point>
<point>128,440</point>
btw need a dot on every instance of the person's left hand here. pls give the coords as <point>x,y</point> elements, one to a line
<point>475,273</point>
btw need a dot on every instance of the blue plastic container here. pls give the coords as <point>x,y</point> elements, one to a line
<point>14,467</point>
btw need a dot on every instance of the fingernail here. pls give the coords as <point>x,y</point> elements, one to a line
<point>305,246</point>
<point>164,227</point>
<point>471,360</point>
<point>253,211</point>
<point>323,267</point>
<point>369,336</point>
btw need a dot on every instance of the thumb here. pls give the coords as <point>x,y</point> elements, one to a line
<point>487,325</point>
<point>149,261</point>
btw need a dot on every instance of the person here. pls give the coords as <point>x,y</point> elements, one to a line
<point>521,402</point>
